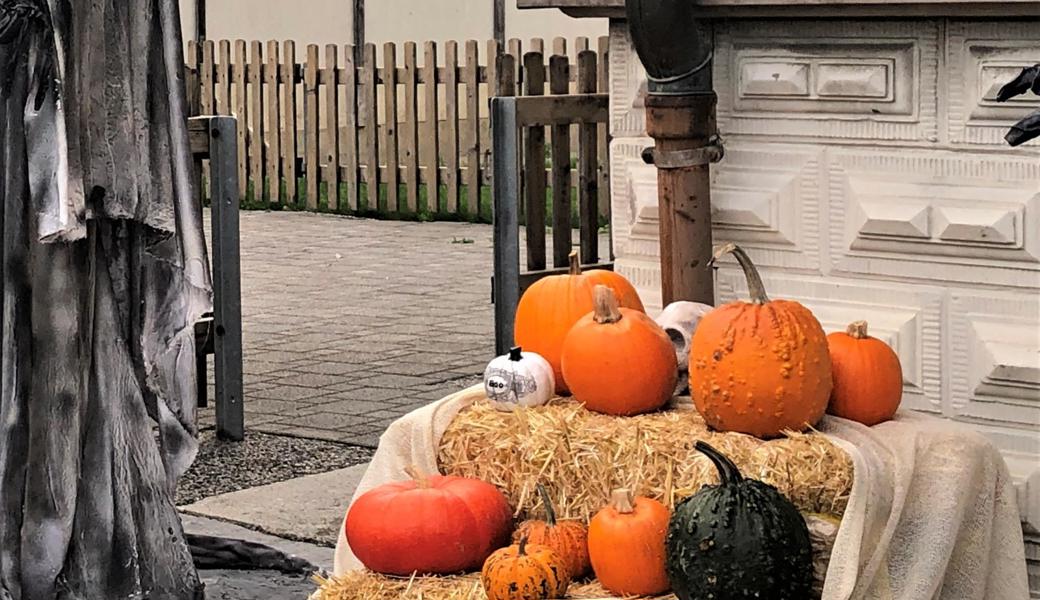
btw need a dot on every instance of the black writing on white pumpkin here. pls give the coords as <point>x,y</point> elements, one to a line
<point>503,385</point>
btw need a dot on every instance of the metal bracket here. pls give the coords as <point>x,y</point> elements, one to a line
<point>682,159</point>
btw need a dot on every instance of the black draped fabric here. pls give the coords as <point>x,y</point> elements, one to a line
<point>104,273</point>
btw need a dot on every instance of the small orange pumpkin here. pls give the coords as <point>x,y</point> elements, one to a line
<point>569,539</point>
<point>618,361</point>
<point>524,572</point>
<point>761,367</point>
<point>627,545</point>
<point>552,305</point>
<point>868,379</point>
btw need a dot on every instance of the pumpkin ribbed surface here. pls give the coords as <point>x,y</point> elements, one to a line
<point>627,545</point>
<point>524,571</point>
<point>569,539</point>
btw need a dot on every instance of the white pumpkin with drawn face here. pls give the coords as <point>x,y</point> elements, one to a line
<point>518,379</point>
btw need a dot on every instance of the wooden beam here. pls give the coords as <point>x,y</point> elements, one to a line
<point>200,20</point>
<point>498,25</point>
<point>357,24</point>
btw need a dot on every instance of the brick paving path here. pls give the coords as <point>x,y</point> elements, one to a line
<point>351,323</point>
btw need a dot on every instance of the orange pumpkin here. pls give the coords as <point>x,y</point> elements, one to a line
<point>627,545</point>
<point>569,539</point>
<point>761,367</point>
<point>618,361</point>
<point>625,291</point>
<point>551,306</point>
<point>524,572</point>
<point>868,379</point>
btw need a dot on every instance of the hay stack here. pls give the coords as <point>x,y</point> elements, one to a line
<point>580,456</point>
<point>363,585</point>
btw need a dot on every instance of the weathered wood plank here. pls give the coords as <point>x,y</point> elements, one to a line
<point>332,149</point>
<point>274,124</point>
<point>238,77</point>
<point>505,85</point>
<point>369,116</point>
<point>451,108</point>
<point>588,180</point>
<point>559,46</point>
<point>256,118</point>
<point>410,128</point>
<point>349,144</point>
<point>489,74</point>
<point>534,178</point>
<point>191,78</point>
<point>311,158</point>
<point>561,167</point>
<point>390,147</point>
<point>431,128</point>
<point>603,133</point>
<point>472,205</point>
<point>565,109</point>
<point>289,152</point>
<point>206,71</point>
<point>223,78</point>
<point>537,46</point>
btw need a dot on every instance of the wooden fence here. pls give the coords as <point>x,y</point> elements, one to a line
<point>354,132</point>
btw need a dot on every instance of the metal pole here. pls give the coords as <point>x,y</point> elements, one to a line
<point>227,287</point>
<point>505,187</point>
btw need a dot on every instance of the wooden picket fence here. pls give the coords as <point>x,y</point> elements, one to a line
<point>356,133</point>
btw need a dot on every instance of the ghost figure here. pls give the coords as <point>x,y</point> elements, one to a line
<point>679,320</point>
<point>518,379</point>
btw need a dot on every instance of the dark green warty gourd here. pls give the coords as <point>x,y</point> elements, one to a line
<point>739,539</point>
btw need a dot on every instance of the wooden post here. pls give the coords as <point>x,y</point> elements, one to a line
<point>357,24</point>
<point>680,123</point>
<point>498,24</point>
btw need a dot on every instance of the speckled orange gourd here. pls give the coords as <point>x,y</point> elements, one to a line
<point>759,367</point>
<point>524,572</point>
<point>568,539</point>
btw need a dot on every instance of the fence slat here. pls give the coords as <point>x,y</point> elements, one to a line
<point>505,85</point>
<point>369,116</point>
<point>332,151</point>
<point>206,78</point>
<point>223,79</point>
<point>561,168</point>
<point>581,44</point>
<point>191,77</point>
<point>410,128</point>
<point>256,117</point>
<point>289,152</point>
<point>451,107</point>
<point>603,148</point>
<point>559,47</point>
<point>390,148</point>
<point>274,125</point>
<point>472,206</point>
<point>494,49</point>
<point>537,46</point>
<point>588,183</point>
<point>310,126</point>
<point>534,167</point>
<point>238,76</point>
<point>431,129</point>
<point>349,145</point>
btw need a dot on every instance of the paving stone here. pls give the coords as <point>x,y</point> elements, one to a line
<point>289,392</point>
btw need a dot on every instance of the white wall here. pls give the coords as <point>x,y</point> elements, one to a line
<point>329,21</point>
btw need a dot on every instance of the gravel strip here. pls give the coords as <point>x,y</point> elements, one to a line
<point>263,458</point>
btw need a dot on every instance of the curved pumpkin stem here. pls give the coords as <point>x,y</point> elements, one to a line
<point>575,263</point>
<point>422,480</point>
<point>550,511</point>
<point>606,304</point>
<point>521,549</point>
<point>754,281</point>
<point>623,501</point>
<point>728,472</point>
<point>858,330</point>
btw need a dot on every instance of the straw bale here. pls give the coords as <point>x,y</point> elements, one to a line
<point>580,456</point>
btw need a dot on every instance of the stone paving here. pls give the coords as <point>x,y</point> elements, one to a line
<point>351,323</point>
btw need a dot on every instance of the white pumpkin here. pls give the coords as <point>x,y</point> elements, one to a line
<point>518,379</point>
<point>679,320</point>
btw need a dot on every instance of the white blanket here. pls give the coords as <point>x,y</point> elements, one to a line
<point>932,514</point>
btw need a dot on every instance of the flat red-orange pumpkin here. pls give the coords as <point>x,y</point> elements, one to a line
<point>553,304</point>
<point>759,367</point>
<point>431,525</point>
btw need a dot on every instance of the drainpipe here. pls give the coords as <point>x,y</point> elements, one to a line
<point>676,50</point>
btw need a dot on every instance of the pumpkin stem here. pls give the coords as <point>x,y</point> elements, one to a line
<point>606,304</point>
<point>575,263</point>
<point>623,501</point>
<point>550,512</point>
<point>728,472</point>
<point>521,549</point>
<point>516,353</point>
<point>858,330</point>
<point>422,480</point>
<point>754,280</point>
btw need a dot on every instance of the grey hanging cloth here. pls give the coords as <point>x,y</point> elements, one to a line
<point>104,273</point>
